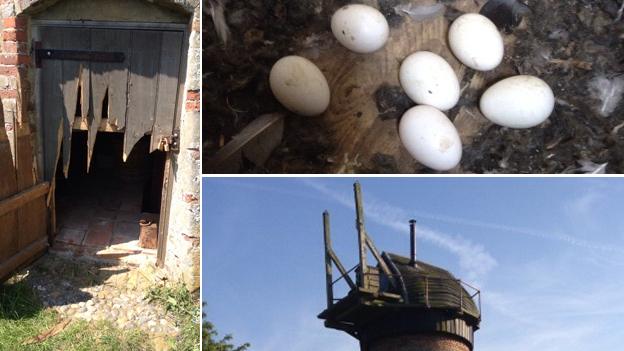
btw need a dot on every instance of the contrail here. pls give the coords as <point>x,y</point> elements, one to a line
<point>388,210</point>
<point>474,259</point>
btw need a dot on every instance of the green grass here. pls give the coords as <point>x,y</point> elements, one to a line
<point>184,307</point>
<point>22,317</point>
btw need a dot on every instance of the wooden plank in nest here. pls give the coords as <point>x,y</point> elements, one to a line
<point>256,143</point>
<point>352,120</point>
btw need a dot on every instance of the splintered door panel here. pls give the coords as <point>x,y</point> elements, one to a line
<point>74,75</point>
<point>110,79</point>
<point>53,113</point>
<point>8,187</point>
<point>32,217</point>
<point>141,91</point>
<point>118,73</point>
<point>168,74</point>
<point>144,65</point>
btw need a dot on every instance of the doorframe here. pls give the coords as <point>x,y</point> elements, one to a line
<point>170,164</point>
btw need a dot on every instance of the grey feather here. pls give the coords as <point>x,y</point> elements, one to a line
<point>216,10</point>
<point>608,91</point>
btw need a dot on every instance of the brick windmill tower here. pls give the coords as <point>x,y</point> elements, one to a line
<point>399,303</point>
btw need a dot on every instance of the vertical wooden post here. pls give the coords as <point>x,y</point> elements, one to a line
<point>359,211</point>
<point>412,243</point>
<point>165,209</point>
<point>328,261</point>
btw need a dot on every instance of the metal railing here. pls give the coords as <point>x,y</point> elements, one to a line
<point>463,288</point>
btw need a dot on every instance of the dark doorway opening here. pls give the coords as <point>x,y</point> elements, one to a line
<point>102,208</point>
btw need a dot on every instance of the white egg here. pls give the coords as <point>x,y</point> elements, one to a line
<point>429,80</point>
<point>300,86</point>
<point>360,28</point>
<point>476,42</point>
<point>518,102</point>
<point>431,138</point>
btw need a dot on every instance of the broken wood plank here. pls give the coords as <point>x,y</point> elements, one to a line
<point>119,79</point>
<point>144,62</point>
<point>166,107</point>
<point>100,40</point>
<point>255,142</point>
<point>72,74</point>
<point>52,99</point>
<point>82,124</point>
<point>31,215</point>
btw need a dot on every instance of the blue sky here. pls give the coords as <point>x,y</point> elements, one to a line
<point>546,253</point>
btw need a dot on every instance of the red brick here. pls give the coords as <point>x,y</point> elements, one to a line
<point>195,154</point>
<point>190,198</point>
<point>192,95</point>
<point>8,94</point>
<point>14,22</point>
<point>13,59</point>
<point>430,342</point>
<point>9,70</point>
<point>14,47</point>
<point>13,35</point>
<point>192,105</point>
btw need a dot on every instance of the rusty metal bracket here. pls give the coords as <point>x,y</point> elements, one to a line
<point>170,143</point>
<point>75,55</point>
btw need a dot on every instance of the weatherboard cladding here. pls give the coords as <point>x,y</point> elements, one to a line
<point>433,287</point>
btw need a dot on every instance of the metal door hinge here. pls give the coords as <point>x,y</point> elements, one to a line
<point>170,143</point>
<point>75,55</point>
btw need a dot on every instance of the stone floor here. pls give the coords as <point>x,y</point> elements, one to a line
<point>102,222</point>
<point>83,289</point>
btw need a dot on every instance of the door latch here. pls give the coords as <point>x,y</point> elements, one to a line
<point>170,143</point>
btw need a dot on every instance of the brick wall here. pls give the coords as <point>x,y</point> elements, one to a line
<point>419,343</point>
<point>14,84</point>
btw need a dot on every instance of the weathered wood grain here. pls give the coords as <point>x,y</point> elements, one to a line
<point>119,74</point>
<point>54,111</point>
<point>73,74</point>
<point>352,120</point>
<point>144,65</point>
<point>8,187</point>
<point>255,142</point>
<point>31,215</point>
<point>167,95</point>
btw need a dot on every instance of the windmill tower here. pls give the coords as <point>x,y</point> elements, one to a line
<point>398,303</point>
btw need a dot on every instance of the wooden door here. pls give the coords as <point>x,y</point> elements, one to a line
<point>137,95</point>
<point>23,210</point>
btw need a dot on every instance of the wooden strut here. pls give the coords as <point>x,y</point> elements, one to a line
<point>365,241</point>
<point>330,256</point>
<point>359,225</point>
